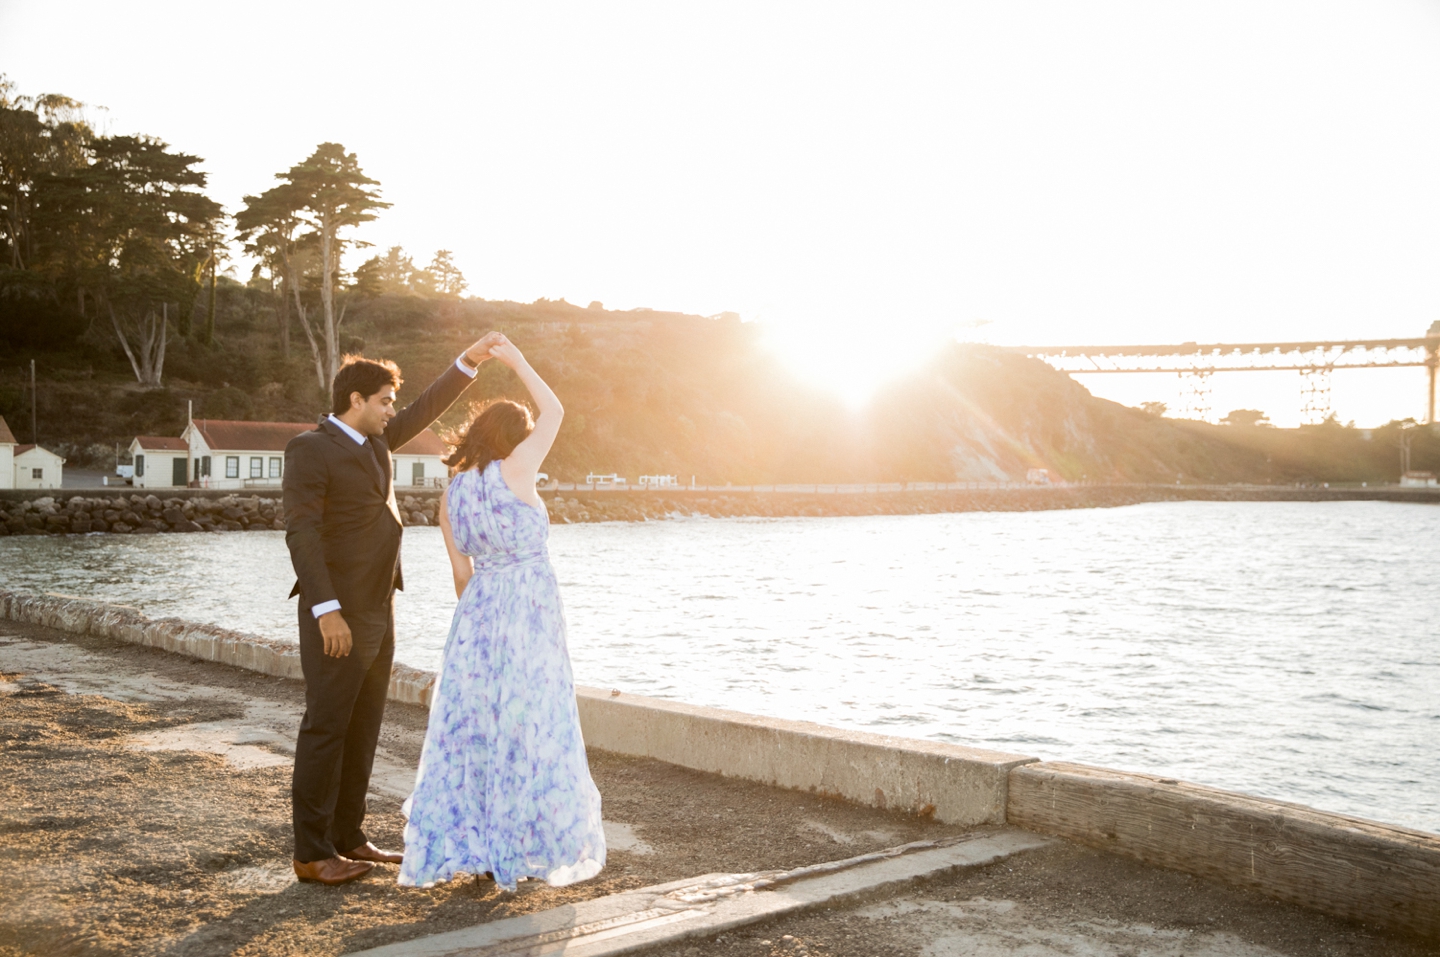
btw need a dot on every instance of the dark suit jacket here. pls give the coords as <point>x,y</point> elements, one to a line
<point>341,521</point>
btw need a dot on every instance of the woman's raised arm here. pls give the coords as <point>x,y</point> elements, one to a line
<point>521,467</point>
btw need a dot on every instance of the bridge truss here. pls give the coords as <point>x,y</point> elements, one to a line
<point>1195,363</point>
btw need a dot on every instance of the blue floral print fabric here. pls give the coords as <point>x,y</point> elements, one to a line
<point>503,784</point>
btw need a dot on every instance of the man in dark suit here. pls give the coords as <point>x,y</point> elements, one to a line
<point>343,529</point>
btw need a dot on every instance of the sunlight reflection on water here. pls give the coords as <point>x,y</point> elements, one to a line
<point>1287,650</point>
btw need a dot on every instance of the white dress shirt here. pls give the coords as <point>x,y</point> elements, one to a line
<point>325,607</point>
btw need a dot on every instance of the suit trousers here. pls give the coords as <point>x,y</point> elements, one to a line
<point>344,706</point>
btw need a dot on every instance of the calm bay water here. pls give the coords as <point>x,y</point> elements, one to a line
<point>1289,650</point>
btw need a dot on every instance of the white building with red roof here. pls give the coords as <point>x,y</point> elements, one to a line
<point>27,466</point>
<point>227,454</point>
<point>37,467</point>
<point>160,461</point>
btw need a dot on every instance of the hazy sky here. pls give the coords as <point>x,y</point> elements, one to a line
<point>865,180</point>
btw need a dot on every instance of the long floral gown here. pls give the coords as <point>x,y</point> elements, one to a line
<point>503,784</point>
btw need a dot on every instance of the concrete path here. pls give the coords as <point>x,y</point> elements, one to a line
<point>144,803</point>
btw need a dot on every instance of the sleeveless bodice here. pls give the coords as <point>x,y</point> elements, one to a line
<point>492,525</point>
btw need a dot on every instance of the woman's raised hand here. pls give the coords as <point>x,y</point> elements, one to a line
<point>507,353</point>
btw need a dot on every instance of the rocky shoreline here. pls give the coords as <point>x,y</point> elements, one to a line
<point>135,513</point>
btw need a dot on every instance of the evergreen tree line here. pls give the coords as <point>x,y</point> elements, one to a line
<point>114,236</point>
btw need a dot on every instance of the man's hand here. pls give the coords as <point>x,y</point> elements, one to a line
<point>480,351</point>
<point>336,632</point>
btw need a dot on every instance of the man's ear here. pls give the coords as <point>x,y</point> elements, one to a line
<point>357,401</point>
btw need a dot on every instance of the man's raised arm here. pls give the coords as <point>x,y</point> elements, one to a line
<point>440,394</point>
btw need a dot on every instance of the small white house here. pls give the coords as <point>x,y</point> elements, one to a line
<point>227,454</point>
<point>7,455</point>
<point>421,462</point>
<point>36,467</point>
<point>1419,480</point>
<point>159,461</point>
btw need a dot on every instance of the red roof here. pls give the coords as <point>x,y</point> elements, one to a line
<point>22,449</point>
<point>223,435</point>
<point>426,443</point>
<point>231,436</point>
<point>161,443</point>
<point>6,436</point>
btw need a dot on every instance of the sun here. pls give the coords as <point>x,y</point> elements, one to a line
<point>852,366</point>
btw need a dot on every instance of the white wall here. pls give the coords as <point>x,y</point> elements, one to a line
<point>7,466</point>
<point>48,463</point>
<point>434,468</point>
<point>272,469</point>
<point>158,468</point>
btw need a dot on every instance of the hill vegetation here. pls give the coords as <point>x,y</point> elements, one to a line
<point>656,392</point>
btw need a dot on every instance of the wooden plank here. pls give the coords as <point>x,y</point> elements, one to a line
<point>1376,873</point>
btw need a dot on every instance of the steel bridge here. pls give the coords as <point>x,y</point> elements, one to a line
<point>1196,362</point>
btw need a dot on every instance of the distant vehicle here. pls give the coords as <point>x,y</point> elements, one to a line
<point>611,480</point>
<point>1038,477</point>
<point>541,478</point>
<point>658,481</point>
<point>125,471</point>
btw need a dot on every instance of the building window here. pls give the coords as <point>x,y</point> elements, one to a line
<point>37,473</point>
<point>139,466</point>
<point>275,466</point>
<point>417,473</point>
<point>197,470</point>
<point>257,467</point>
<point>232,466</point>
<point>205,466</point>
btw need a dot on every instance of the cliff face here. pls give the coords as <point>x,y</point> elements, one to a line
<point>994,415</point>
<point>979,414</point>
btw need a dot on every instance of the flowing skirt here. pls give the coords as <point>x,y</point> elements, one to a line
<point>504,785</point>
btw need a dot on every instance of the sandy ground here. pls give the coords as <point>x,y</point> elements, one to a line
<point>144,809</point>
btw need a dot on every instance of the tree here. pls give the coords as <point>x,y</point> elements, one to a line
<point>269,224</point>
<point>39,136</point>
<point>1247,418</point>
<point>135,230</point>
<point>1154,408</point>
<point>329,193</point>
<point>448,279</point>
<point>392,274</point>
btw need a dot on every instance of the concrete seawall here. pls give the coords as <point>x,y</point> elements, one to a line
<point>1380,874</point>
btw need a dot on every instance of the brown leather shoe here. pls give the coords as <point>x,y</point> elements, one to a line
<point>369,852</point>
<point>332,871</point>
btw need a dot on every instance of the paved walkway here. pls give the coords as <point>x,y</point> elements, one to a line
<point>144,810</point>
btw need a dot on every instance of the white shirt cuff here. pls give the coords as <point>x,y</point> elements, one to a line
<point>324,608</point>
<point>460,364</point>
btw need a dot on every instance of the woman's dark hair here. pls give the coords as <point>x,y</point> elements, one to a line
<point>498,426</point>
<point>365,376</point>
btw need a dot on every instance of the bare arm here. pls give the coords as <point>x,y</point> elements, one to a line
<point>462,566</point>
<point>521,466</point>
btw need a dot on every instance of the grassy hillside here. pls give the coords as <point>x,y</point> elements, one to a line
<point>650,392</point>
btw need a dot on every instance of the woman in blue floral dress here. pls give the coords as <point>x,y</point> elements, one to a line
<point>503,786</point>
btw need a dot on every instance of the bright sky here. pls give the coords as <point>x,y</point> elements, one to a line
<point>865,180</point>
